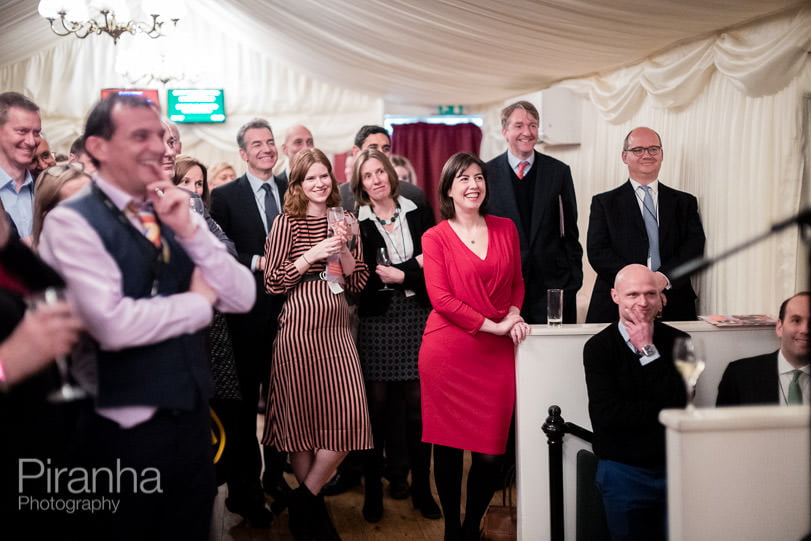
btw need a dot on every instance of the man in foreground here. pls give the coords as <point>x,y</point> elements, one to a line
<point>144,273</point>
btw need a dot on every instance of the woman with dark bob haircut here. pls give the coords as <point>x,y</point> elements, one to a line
<point>472,267</point>
<point>317,404</point>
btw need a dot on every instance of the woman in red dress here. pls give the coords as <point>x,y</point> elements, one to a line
<point>467,359</point>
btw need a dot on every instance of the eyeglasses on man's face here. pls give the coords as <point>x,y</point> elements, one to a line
<point>640,151</point>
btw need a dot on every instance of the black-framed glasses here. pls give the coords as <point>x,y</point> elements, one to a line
<point>47,155</point>
<point>640,151</point>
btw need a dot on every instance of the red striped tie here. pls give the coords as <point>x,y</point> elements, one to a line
<point>521,168</point>
<point>152,230</point>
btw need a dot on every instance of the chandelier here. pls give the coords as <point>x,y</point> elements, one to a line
<point>142,61</point>
<point>84,17</point>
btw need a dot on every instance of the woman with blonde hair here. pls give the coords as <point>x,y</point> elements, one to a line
<point>405,171</point>
<point>221,173</point>
<point>53,185</point>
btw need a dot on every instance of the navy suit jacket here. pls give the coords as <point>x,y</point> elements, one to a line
<point>550,258</point>
<point>617,237</point>
<point>233,207</point>
<point>750,381</point>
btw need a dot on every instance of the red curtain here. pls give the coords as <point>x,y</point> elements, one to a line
<point>428,147</point>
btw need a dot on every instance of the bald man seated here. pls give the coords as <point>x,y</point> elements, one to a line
<point>630,378</point>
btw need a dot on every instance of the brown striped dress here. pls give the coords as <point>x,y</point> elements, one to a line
<point>317,398</point>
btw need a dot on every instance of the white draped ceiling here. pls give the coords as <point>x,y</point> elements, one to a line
<point>724,81</point>
<point>429,51</point>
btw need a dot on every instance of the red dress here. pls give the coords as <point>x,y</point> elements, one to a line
<point>467,377</point>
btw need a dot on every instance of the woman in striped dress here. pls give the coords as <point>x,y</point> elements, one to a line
<point>317,405</point>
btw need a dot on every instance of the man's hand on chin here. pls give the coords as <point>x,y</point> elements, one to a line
<point>172,207</point>
<point>640,326</point>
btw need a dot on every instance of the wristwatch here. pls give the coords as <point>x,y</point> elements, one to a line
<point>649,350</point>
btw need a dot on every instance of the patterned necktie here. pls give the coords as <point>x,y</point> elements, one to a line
<point>652,227</point>
<point>521,168</point>
<point>146,215</point>
<point>270,205</point>
<point>795,395</point>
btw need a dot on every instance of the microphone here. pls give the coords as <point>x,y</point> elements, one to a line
<point>699,264</point>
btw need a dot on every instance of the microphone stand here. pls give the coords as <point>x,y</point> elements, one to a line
<point>802,219</point>
<point>699,264</point>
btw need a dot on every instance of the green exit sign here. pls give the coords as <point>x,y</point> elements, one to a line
<point>451,110</point>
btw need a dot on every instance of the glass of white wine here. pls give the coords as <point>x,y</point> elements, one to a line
<point>688,356</point>
<point>67,392</point>
<point>384,260</point>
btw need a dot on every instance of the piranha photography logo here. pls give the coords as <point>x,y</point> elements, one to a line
<point>43,486</point>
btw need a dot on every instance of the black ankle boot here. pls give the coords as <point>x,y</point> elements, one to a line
<point>303,509</point>
<point>325,529</point>
<point>424,501</point>
<point>373,499</point>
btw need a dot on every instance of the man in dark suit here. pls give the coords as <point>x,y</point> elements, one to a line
<point>296,139</point>
<point>245,209</point>
<point>536,191</point>
<point>376,138</point>
<point>643,221</point>
<point>630,378</point>
<point>781,377</point>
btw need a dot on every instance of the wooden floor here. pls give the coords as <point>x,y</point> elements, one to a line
<point>400,519</point>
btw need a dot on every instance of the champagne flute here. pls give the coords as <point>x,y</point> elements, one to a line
<point>689,360</point>
<point>334,215</point>
<point>66,392</point>
<point>384,260</point>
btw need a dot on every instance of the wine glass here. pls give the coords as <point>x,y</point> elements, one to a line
<point>353,230</point>
<point>689,360</point>
<point>384,260</point>
<point>334,215</point>
<point>66,392</point>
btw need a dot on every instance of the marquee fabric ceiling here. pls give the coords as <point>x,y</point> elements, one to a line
<point>441,51</point>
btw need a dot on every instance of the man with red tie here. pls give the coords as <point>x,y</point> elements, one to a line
<point>536,191</point>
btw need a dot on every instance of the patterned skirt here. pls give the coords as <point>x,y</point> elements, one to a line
<point>389,344</point>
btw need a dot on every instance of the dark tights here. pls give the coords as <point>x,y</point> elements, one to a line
<point>395,414</point>
<point>482,481</point>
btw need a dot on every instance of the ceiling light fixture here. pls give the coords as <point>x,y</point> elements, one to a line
<point>84,17</point>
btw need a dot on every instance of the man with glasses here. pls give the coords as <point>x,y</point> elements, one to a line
<point>20,127</point>
<point>43,159</point>
<point>643,221</point>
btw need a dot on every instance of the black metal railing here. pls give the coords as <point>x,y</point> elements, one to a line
<point>555,428</point>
